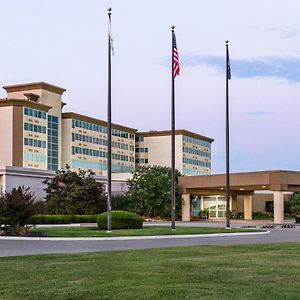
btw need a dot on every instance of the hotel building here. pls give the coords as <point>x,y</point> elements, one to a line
<point>34,133</point>
<point>37,138</point>
<point>192,151</point>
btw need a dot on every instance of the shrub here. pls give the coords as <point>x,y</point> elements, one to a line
<point>16,209</point>
<point>62,219</point>
<point>236,215</point>
<point>261,215</point>
<point>120,220</point>
<point>84,219</point>
<point>52,219</point>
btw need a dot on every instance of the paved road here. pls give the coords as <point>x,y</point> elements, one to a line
<point>18,248</point>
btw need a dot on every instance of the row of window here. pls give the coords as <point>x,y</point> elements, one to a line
<point>141,149</point>
<point>83,164</point>
<point>191,172</point>
<point>40,158</point>
<point>88,126</point>
<point>34,143</point>
<point>99,141</point>
<point>35,128</point>
<point>196,152</point>
<point>189,139</point>
<point>122,134</point>
<point>34,113</point>
<point>119,157</point>
<point>88,139</point>
<point>99,128</point>
<point>121,146</point>
<point>139,138</point>
<point>141,160</point>
<point>99,166</point>
<point>121,169</point>
<point>196,162</point>
<point>90,152</point>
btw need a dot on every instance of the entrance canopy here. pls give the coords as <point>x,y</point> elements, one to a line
<point>241,183</point>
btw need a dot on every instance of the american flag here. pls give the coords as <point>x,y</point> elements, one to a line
<point>176,68</point>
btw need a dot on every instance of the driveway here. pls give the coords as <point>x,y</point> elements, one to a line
<point>23,247</point>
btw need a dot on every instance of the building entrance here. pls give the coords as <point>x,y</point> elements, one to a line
<point>216,206</point>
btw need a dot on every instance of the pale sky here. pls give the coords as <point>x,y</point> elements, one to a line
<point>64,42</point>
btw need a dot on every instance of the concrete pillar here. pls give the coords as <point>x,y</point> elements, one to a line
<point>248,207</point>
<point>278,201</point>
<point>234,203</point>
<point>186,207</point>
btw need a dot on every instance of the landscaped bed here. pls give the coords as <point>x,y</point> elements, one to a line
<point>93,231</point>
<point>269,271</point>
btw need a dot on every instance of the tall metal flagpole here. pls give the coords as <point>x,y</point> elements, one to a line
<point>109,227</point>
<point>173,134</point>
<point>228,76</point>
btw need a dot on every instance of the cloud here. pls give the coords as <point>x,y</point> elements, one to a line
<point>285,33</point>
<point>259,113</point>
<point>281,67</point>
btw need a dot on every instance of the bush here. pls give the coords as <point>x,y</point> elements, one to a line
<point>261,215</point>
<point>16,209</point>
<point>120,220</point>
<point>52,219</point>
<point>62,219</point>
<point>236,215</point>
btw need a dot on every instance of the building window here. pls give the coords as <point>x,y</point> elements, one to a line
<point>53,137</point>
<point>139,138</point>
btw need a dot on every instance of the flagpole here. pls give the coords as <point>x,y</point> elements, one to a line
<point>109,227</point>
<point>227,141</point>
<point>173,135</point>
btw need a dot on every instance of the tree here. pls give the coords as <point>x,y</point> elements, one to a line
<point>16,210</point>
<point>295,205</point>
<point>74,193</point>
<point>149,192</point>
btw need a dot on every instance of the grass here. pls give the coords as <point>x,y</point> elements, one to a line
<point>266,271</point>
<point>89,231</point>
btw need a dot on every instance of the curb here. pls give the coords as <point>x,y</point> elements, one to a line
<point>130,238</point>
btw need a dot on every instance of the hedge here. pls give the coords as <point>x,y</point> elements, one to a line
<point>62,219</point>
<point>120,219</point>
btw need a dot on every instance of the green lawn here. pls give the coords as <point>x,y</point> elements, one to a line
<point>146,231</point>
<point>269,271</point>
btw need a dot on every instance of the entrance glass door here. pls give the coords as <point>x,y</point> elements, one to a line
<point>215,205</point>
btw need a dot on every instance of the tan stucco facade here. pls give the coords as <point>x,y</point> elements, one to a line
<point>192,151</point>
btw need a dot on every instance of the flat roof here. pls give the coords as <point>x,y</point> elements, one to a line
<point>177,132</point>
<point>72,115</point>
<point>241,183</point>
<point>34,86</point>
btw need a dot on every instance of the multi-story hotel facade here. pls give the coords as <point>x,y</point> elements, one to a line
<point>37,136</point>
<point>192,151</point>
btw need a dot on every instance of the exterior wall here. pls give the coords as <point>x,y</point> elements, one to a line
<point>53,100</point>
<point>11,177</point>
<point>159,153</point>
<point>66,147</point>
<point>85,147</point>
<point>259,201</point>
<point>205,158</point>
<point>6,136</point>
